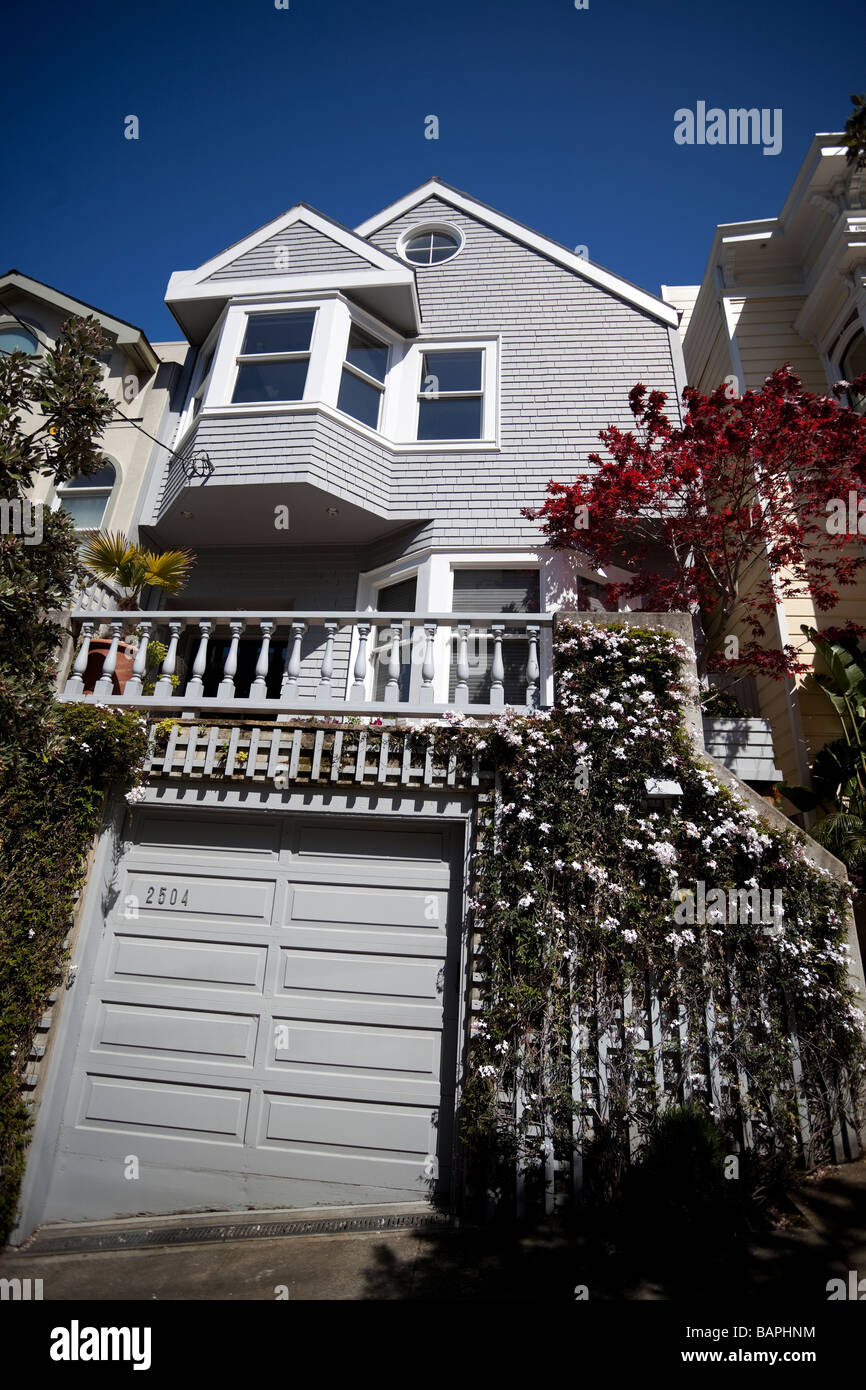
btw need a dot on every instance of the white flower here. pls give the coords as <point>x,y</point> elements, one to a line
<point>526,901</point>
<point>524,815</point>
<point>629,934</point>
<point>135,794</point>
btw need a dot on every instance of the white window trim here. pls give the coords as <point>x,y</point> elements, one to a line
<point>404,429</point>
<point>424,229</point>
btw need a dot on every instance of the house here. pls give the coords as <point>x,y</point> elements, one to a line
<point>273,984</point>
<point>790,288</point>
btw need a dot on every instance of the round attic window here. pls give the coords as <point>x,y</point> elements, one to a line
<point>430,245</point>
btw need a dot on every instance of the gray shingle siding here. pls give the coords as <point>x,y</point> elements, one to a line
<point>304,251</point>
<point>570,353</point>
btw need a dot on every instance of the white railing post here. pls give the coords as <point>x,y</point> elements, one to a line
<point>105,685</point>
<point>428,669</point>
<point>139,666</point>
<point>195,685</point>
<point>323,688</point>
<point>392,688</point>
<point>75,684</point>
<point>497,671</point>
<point>226,689</point>
<point>289,686</point>
<point>259,687</point>
<point>164,687</point>
<point>532,669</point>
<point>461,689</point>
<point>359,684</point>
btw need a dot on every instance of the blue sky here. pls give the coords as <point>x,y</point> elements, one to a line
<point>561,118</point>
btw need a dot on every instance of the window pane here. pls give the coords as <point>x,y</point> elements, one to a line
<point>442,239</point>
<point>449,418</point>
<point>854,365</point>
<point>104,477</point>
<point>496,591</point>
<point>270,381</point>
<point>359,399</point>
<point>279,332</point>
<point>17,340</point>
<point>398,598</point>
<point>418,249</point>
<point>368,354</point>
<point>454,371</point>
<point>87,512</point>
<point>441,253</point>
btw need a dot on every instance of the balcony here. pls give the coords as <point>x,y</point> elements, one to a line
<point>272,664</point>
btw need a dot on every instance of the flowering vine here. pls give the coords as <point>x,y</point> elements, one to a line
<point>607,996</point>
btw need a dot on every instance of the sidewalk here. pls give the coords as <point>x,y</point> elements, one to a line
<point>824,1238</point>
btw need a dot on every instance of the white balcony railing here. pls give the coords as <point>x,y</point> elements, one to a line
<point>407,664</point>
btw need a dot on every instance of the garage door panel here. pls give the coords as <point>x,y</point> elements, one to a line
<point>360,906</point>
<point>355,974</point>
<point>381,1128</point>
<point>133,1103</point>
<point>365,1049</point>
<point>187,836</point>
<point>357,938</point>
<point>361,845</point>
<point>188,1034</point>
<point>162,961</point>
<point>177,896</point>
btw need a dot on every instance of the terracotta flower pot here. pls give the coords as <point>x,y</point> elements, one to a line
<point>123,670</point>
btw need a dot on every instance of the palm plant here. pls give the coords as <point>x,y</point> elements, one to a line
<point>130,570</point>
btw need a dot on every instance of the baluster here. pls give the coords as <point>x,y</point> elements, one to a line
<point>392,689</point>
<point>359,685</point>
<point>139,666</point>
<point>461,690</point>
<point>226,689</point>
<point>425,694</point>
<point>532,672</point>
<point>289,687</point>
<point>195,685</point>
<point>259,687</point>
<point>164,687</point>
<point>105,685</point>
<point>75,684</point>
<point>497,672</point>
<point>323,689</point>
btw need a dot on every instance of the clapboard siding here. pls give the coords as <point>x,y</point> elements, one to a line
<point>297,250</point>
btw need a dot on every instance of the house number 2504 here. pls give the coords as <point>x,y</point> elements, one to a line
<point>167,897</point>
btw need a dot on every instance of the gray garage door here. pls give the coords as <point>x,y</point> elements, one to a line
<point>270,1022</point>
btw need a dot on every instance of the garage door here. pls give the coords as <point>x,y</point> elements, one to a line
<point>270,1022</point>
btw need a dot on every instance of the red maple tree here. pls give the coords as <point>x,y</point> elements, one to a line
<point>729,513</point>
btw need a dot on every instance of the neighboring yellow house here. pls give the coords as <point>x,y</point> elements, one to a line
<point>790,288</point>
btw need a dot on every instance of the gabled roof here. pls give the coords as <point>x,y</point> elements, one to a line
<point>553,250</point>
<point>373,277</point>
<point>126,334</point>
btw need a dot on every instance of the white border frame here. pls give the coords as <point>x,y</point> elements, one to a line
<point>444,229</point>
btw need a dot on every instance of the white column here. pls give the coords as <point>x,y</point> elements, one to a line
<point>497,672</point>
<point>461,690</point>
<point>323,689</point>
<point>195,685</point>
<point>134,684</point>
<point>226,689</point>
<point>392,689</point>
<point>428,669</point>
<point>105,685</point>
<point>359,684</point>
<point>532,671</point>
<point>164,687</point>
<point>289,687</point>
<point>259,687</point>
<point>75,683</point>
